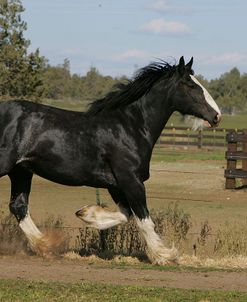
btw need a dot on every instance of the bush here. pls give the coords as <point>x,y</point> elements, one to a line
<point>231,240</point>
<point>12,239</point>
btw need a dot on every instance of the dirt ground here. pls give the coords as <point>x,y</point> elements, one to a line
<point>77,271</point>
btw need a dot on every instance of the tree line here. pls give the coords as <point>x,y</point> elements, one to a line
<point>28,75</point>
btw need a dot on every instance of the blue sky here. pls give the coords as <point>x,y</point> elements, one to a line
<point>117,37</point>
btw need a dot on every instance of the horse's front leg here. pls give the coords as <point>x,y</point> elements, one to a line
<point>157,252</point>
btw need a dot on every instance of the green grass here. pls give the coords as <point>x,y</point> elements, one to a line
<point>228,121</point>
<point>175,155</point>
<point>69,105</point>
<point>163,268</point>
<point>43,291</point>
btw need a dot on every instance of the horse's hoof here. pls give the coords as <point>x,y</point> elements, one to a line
<point>81,211</point>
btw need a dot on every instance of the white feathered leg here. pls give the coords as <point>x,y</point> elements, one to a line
<point>156,250</point>
<point>31,231</point>
<point>46,245</point>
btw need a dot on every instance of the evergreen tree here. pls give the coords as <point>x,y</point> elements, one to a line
<point>20,72</point>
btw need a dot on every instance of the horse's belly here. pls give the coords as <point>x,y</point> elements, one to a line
<point>75,175</point>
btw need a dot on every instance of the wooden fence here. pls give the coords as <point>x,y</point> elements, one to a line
<point>234,140</point>
<point>236,156</point>
<point>186,137</point>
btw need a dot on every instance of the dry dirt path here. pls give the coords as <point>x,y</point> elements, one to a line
<point>37,269</point>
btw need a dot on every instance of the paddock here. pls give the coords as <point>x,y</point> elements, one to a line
<point>197,186</point>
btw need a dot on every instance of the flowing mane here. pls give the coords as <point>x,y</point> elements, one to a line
<point>134,89</point>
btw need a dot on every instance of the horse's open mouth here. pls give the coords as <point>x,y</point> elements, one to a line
<point>206,124</point>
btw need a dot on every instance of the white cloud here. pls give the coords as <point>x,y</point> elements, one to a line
<point>227,59</point>
<point>132,54</point>
<point>213,65</point>
<point>161,6</point>
<point>164,6</point>
<point>162,27</point>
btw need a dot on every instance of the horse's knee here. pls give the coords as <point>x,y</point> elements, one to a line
<point>19,207</point>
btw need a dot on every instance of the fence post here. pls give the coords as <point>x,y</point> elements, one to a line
<point>98,197</point>
<point>102,233</point>
<point>244,161</point>
<point>199,142</point>
<point>174,137</point>
<point>231,163</point>
<point>214,138</point>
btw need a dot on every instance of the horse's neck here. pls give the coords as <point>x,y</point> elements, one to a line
<point>155,111</point>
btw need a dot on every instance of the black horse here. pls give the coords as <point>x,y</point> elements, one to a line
<point>109,146</point>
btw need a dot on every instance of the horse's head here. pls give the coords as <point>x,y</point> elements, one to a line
<point>190,97</point>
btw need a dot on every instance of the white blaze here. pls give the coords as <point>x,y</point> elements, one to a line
<point>207,96</point>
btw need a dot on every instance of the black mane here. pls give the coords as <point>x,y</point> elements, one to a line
<point>128,93</point>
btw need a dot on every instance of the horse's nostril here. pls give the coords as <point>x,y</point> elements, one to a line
<point>217,119</point>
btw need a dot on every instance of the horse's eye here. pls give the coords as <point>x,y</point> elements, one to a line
<point>189,83</point>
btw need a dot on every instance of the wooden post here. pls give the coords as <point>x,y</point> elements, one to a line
<point>214,138</point>
<point>231,163</point>
<point>244,161</point>
<point>174,137</point>
<point>188,136</point>
<point>102,233</point>
<point>199,143</point>
<point>98,202</point>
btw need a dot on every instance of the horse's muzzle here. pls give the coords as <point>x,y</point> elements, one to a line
<point>216,120</point>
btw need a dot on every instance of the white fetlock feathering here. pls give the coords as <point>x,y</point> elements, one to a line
<point>157,252</point>
<point>31,231</point>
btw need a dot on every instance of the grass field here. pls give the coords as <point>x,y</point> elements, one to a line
<point>181,155</point>
<point>228,121</point>
<point>51,291</point>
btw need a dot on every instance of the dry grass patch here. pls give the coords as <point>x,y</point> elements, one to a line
<point>233,262</point>
<point>12,239</point>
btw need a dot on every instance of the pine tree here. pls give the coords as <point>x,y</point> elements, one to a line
<point>20,71</point>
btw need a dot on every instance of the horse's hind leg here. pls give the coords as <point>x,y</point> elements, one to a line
<point>20,188</point>
<point>102,218</point>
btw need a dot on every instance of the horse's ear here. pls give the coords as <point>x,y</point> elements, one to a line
<point>181,65</point>
<point>189,64</point>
